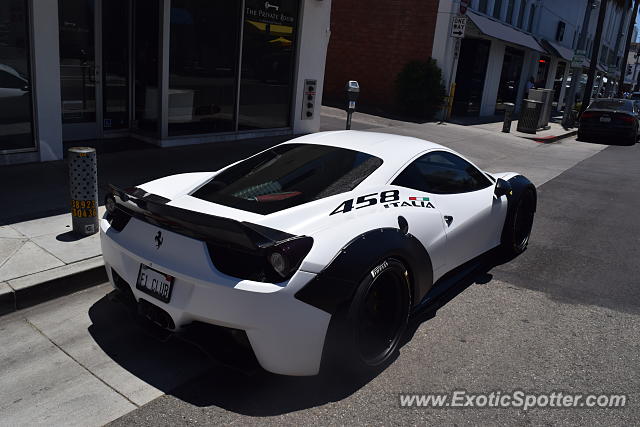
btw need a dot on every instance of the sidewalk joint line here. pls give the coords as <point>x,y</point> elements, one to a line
<point>79,363</point>
<point>12,254</point>
<point>49,252</point>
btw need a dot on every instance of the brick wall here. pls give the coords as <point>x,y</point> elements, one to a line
<point>371,41</point>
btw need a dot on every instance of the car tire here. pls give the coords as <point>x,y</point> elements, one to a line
<point>517,228</point>
<point>580,136</point>
<point>368,331</point>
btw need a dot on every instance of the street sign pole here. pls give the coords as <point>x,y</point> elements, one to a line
<point>458,25</point>
<point>456,53</point>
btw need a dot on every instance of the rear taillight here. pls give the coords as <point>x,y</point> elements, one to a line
<point>110,203</point>
<point>285,258</point>
<point>274,264</point>
<point>588,115</point>
<point>624,118</point>
<point>117,218</point>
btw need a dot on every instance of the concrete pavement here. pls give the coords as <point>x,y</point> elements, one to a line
<point>54,371</point>
<point>37,253</point>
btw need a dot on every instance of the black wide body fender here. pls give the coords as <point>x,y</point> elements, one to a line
<point>337,282</point>
<point>518,186</point>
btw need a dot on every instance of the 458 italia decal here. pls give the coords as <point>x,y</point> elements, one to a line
<point>390,198</point>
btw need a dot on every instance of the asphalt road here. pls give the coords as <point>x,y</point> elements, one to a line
<point>564,316</point>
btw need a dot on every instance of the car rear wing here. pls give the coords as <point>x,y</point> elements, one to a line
<point>154,209</point>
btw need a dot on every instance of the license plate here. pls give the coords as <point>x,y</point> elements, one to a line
<point>605,119</point>
<point>158,285</point>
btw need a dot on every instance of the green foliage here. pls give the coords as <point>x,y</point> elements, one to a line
<point>578,106</point>
<point>419,88</point>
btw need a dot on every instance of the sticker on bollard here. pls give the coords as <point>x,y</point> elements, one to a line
<point>83,183</point>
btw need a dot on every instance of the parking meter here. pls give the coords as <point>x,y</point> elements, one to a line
<point>353,91</point>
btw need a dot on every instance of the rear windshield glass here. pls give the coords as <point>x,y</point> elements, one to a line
<point>288,175</point>
<point>612,104</point>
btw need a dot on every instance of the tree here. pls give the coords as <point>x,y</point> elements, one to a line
<point>586,98</point>
<point>623,65</point>
<point>419,88</point>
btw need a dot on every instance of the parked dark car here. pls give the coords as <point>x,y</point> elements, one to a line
<point>610,120</point>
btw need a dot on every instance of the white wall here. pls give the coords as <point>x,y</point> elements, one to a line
<point>492,78</point>
<point>443,45</point>
<point>46,68</point>
<point>312,55</point>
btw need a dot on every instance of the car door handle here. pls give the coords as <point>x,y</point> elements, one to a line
<point>448,219</point>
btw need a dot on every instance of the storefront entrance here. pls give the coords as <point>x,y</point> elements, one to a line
<point>216,67</point>
<point>94,66</point>
<point>472,68</point>
<point>510,78</point>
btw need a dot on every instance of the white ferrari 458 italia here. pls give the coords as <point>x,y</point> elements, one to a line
<point>317,249</point>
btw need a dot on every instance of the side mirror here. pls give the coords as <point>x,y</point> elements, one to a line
<point>503,188</point>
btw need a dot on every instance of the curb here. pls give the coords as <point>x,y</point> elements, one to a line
<point>552,139</point>
<point>27,291</point>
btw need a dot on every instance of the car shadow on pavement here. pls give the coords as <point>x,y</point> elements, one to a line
<point>183,370</point>
<point>608,141</point>
<point>453,284</point>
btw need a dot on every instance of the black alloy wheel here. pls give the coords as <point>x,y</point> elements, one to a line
<point>367,332</point>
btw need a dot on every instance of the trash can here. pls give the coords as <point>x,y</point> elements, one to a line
<point>508,117</point>
<point>546,97</point>
<point>529,116</point>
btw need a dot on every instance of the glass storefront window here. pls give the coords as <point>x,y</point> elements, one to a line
<point>472,67</point>
<point>268,57</point>
<point>115,63</point>
<point>557,82</point>
<point>510,77</point>
<point>77,60</point>
<point>146,31</point>
<point>203,63</point>
<point>543,72</point>
<point>16,111</point>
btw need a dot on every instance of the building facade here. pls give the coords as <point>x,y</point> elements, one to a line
<point>168,72</point>
<point>509,45</point>
<point>371,42</point>
<point>632,75</point>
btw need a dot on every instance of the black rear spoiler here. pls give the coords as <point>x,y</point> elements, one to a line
<point>153,209</point>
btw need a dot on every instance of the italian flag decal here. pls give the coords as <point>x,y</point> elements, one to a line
<point>419,199</point>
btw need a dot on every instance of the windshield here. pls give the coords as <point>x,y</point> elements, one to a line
<point>288,175</point>
<point>612,104</point>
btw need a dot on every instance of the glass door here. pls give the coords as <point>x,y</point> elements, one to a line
<point>116,20</point>
<point>79,22</point>
<point>16,108</point>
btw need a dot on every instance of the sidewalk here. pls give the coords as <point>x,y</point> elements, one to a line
<point>335,118</point>
<point>37,255</point>
<point>555,132</point>
<point>41,259</point>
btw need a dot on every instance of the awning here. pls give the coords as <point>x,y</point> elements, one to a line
<point>504,32</point>
<point>558,50</point>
